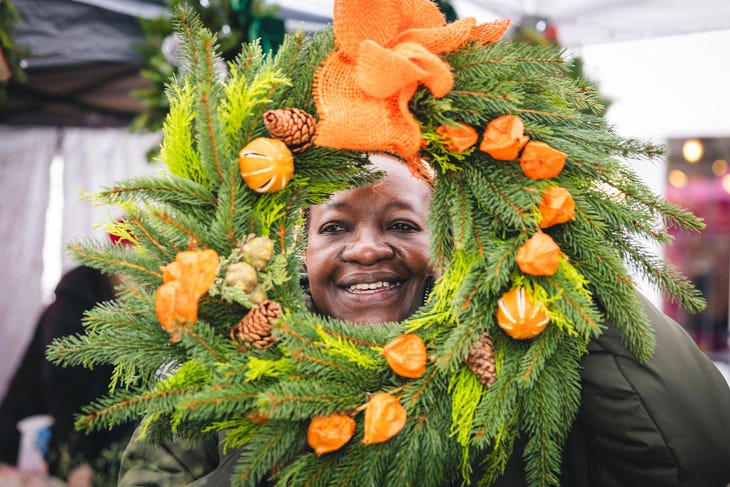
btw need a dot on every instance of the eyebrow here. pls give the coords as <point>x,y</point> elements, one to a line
<point>398,205</point>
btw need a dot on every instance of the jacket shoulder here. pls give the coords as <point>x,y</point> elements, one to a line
<point>663,422</point>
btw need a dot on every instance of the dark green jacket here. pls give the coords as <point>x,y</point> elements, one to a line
<point>662,423</point>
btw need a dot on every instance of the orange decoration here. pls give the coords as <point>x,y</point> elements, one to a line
<point>330,433</point>
<point>489,33</point>
<point>556,206</point>
<point>460,138</point>
<point>406,355</point>
<point>504,138</point>
<point>539,256</point>
<point>519,316</point>
<point>385,50</point>
<point>257,417</point>
<point>184,281</point>
<point>384,418</point>
<point>175,308</point>
<point>266,164</point>
<point>195,269</point>
<point>540,161</point>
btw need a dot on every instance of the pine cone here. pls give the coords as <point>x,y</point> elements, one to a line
<point>295,127</point>
<point>481,360</point>
<point>255,328</point>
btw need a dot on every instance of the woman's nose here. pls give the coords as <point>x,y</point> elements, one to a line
<point>367,249</point>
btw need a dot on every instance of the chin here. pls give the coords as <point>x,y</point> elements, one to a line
<point>382,316</point>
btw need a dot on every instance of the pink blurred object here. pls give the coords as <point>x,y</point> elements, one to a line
<point>12,477</point>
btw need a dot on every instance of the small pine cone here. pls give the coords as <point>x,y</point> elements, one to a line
<point>255,328</point>
<point>294,127</point>
<point>481,360</point>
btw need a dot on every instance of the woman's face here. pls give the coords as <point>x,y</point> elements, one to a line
<point>368,248</point>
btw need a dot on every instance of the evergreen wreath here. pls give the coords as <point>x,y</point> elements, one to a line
<point>536,229</point>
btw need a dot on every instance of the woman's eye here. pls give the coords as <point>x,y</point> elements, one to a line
<point>332,228</point>
<point>404,227</point>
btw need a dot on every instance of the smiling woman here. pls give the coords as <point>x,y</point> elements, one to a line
<point>368,248</point>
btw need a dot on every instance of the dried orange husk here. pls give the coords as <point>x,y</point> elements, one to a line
<point>406,355</point>
<point>520,316</point>
<point>175,308</point>
<point>330,433</point>
<point>540,161</point>
<point>257,417</point>
<point>556,206</point>
<point>194,269</point>
<point>504,137</point>
<point>384,418</point>
<point>266,164</point>
<point>539,256</point>
<point>458,138</point>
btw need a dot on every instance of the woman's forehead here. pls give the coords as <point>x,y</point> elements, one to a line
<point>359,198</point>
<point>397,190</point>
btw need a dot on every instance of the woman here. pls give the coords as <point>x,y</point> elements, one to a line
<point>367,252</point>
<point>639,424</point>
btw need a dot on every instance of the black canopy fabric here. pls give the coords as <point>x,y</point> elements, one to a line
<point>69,32</point>
<point>83,63</point>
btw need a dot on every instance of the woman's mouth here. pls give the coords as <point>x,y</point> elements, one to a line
<point>372,287</point>
<point>371,298</point>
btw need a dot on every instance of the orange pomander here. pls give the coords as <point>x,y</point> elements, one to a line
<point>504,137</point>
<point>458,138</point>
<point>539,256</point>
<point>540,161</point>
<point>266,164</point>
<point>330,433</point>
<point>520,316</point>
<point>384,418</point>
<point>556,206</point>
<point>406,355</point>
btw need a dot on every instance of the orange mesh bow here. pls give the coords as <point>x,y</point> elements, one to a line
<point>385,49</point>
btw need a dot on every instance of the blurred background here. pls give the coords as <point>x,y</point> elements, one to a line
<point>82,100</point>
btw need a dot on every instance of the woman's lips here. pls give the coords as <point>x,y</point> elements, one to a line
<point>372,287</point>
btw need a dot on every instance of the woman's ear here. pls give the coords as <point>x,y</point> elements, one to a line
<point>304,282</point>
<point>423,293</point>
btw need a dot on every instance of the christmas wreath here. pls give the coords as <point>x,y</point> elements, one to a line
<point>535,220</point>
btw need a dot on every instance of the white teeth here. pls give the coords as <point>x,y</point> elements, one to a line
<point>372,286</point>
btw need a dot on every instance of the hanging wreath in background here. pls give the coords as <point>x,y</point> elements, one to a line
<point>10,52</point>
<point>234,22</point>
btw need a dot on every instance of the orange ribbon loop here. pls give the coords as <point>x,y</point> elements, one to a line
<point>385,49</point>
<point>413,63</point>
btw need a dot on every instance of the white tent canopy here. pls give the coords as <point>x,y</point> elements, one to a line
<point>578,22</point>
